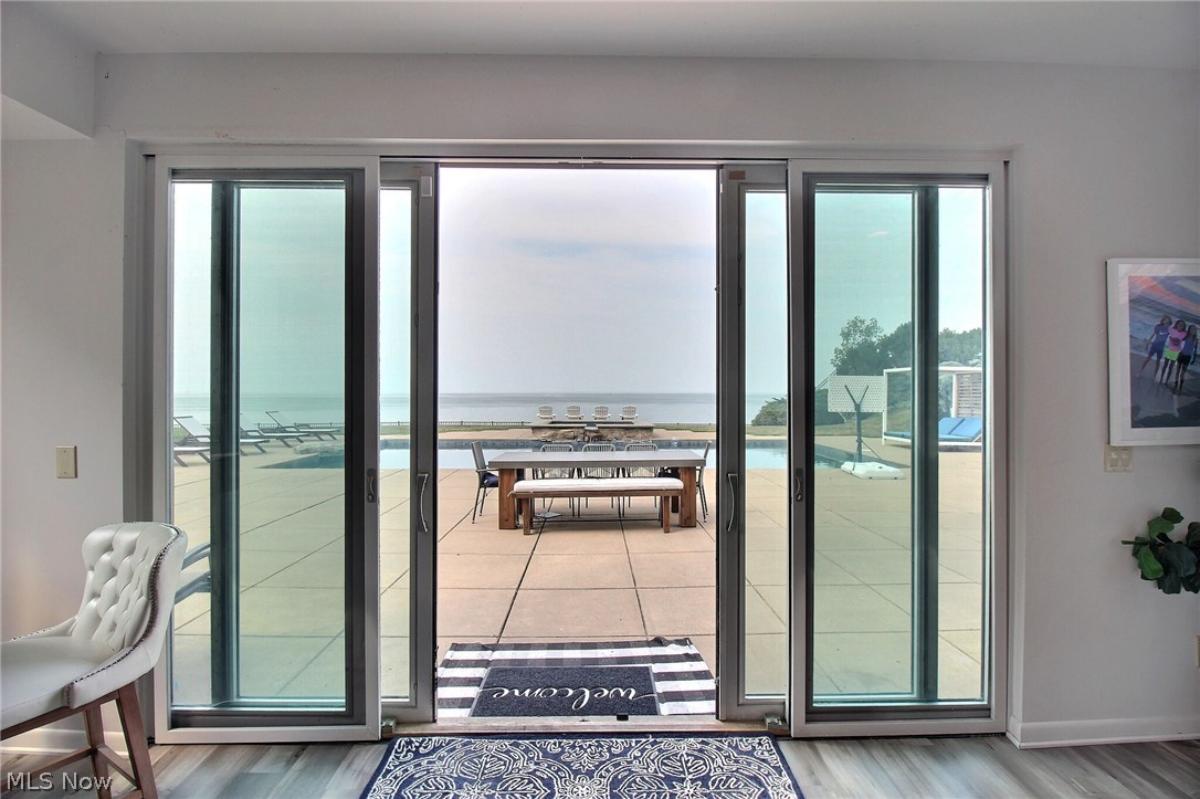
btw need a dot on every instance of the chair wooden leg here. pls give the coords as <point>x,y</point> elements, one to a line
<point>666,515</point>
<point>135,740</point>
<point>94,725</point>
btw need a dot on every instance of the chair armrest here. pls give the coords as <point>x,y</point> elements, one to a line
<point>62,628</point>
<point>121,669</point>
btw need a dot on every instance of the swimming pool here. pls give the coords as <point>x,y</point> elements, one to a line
<point>394,454</point>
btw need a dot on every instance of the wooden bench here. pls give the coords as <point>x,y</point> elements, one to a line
<point>664,488</point>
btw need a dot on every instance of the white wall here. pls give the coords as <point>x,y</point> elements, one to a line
<point>1106,162</point>
<point>48,72</point>
<point>62,353</point>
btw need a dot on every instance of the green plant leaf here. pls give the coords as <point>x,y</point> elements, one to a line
<point>1150,567</point>
<point>1171,515</point>
<point>1179,559</point>
<point>1159,526</point>
<point>1193,535</point>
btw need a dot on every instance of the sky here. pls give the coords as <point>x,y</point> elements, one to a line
<point>558,280</point>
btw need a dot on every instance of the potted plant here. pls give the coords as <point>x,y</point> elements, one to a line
<point>1171,564</point>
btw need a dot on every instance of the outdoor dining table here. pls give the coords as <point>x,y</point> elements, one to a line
<point>510,467</point>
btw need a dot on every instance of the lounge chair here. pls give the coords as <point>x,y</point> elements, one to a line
<point>281,436</point>
<point>574,413</point>
<point>601,413</point>
<point>190,449</point>
<point>951,430</point>
<point>545,413</point>
<point>286,425</point>
<point>629,413</point>
<point>197,434</point>
<point>967,431</point>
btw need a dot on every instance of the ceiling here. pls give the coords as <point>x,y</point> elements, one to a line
<point>1150,34</point>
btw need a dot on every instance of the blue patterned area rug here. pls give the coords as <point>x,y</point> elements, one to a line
<point>584,767</point>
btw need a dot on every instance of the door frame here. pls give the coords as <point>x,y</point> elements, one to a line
<point>928,720</point>
<point>255,726</point>
<point>147,363</point>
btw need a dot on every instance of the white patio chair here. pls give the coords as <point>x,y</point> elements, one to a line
<point>574,413</point>
<point>545,413</point>
<point>600,414</point>
<point>629,414</point>
<point>99,654</point>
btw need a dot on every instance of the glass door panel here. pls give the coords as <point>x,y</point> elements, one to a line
<point>962,479</point>
<point>765,545</point>
<point>267,476</point>
<point>395,464</point>
<point>898,545</point>
<point>862,632</point>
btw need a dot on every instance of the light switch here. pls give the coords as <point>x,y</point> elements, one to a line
<point>1118,459</point>
<point>66,463</point>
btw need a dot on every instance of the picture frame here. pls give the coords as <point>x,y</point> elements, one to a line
<point>1153,364</point>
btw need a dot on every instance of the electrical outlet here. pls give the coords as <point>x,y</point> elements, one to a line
<point>66,464</point>
<point>1118,459</point>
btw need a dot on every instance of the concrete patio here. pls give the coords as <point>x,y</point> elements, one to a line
<point>593,578</point>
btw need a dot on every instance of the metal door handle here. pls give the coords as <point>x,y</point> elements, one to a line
<point>422,482</point>
<point>798,486</point>
<point>371,486</point>
<point>732,479</point>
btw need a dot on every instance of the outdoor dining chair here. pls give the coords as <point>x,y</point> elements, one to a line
<point>629,414</point>
<point>601,413</point>
<point>545,413</point>
<point>486,480</point>
<point>641,471</point>
<point>599,472</point>
<point>543,474</point>
<point>574,413</point>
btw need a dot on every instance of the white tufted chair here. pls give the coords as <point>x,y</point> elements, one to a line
<point>96,656</point>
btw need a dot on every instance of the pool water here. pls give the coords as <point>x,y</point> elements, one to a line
<point>756,458</point>
<point>396,456</point>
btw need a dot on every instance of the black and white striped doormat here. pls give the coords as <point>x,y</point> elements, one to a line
<point>682,680</point>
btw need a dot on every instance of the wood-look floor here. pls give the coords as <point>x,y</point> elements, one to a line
<point>908,768</point>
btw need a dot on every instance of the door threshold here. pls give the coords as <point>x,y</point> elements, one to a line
<point>559,724</point>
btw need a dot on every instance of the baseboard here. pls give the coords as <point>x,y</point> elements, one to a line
<point>51,741</point>
<point>1042,734</point>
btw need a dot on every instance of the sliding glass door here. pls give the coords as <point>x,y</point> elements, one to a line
<point>270,295</point>
<point>901,613</point>
<point>753,470</point>
<point>407,439</point>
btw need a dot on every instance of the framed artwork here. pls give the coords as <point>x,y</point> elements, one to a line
<point>1153,364</point>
